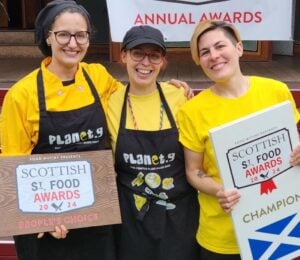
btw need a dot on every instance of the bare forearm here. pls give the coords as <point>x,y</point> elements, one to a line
<point>203,183</point>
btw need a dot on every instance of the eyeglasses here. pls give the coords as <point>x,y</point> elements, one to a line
<point>64,37</point>
<point>155,57</point>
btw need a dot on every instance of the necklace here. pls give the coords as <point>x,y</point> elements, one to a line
<point>161,114</point>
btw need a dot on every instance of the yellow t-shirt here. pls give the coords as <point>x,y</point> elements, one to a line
<point>146,109</point>
<point>206,111</point>
<point>20,111</point>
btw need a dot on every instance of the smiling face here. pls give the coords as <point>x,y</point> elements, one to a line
<point>67,55</point>
<point>143,64</point>
<point>219,55</point>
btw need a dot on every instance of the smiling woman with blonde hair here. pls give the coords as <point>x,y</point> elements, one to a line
<point>216,47</point>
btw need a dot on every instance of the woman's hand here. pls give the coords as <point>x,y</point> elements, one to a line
<point>59,233</point>
<point>188,91</point>
<point>295,156</point>
<point>228,198</point>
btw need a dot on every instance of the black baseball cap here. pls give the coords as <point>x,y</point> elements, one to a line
<point>143,34</point>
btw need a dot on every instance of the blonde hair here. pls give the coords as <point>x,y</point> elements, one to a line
<point>209,25</point>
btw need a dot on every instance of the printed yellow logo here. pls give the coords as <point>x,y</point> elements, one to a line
<point>83,136</point>
<point>139,180</point>
<point>168,183</point>
<point>153,180</point>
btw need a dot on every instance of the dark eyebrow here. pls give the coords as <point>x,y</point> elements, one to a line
<point>216,43</point>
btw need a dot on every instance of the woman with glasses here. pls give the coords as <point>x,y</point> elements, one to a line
<point>64,95</point>
<point>158,206</point>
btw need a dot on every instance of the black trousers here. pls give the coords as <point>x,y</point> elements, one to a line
<point>80,244</point>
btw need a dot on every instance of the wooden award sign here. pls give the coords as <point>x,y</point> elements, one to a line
<point>38,192</point>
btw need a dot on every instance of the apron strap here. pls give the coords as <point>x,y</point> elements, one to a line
<point>124,109</point>
<point>166,106</point>
<point>163,100</point>
<point>41,90</point>
<point>92,86</point>
<point>41,94</point>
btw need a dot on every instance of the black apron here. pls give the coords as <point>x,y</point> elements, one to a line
<point>55,128</point>
<point>151,164</point>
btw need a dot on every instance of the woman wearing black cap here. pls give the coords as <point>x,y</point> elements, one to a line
<point>63,96</point>
<point>159,208</point>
